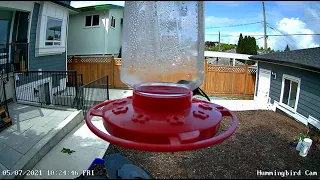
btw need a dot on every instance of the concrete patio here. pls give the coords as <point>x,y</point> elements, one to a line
<point>35,131</point>
<point>87,147</point>
<point>233,105</point>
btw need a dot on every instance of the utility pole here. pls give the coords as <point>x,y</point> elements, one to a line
<point>219,40</point>
<point>265,28</point>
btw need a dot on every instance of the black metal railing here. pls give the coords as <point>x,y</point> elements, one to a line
<point>48,87</point>
<point>3,96</point>
<point>5,65</point>
<point>19,54</point>
<point>14,60</point>
<point>93,93</point>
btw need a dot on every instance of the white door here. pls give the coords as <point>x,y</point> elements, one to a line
<point>264,85</point>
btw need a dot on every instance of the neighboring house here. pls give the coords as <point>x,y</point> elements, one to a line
<point>33,37</point>
<point>290,81</point>
<point>96,30</point>
<point>209,44</point>
<point>225,58</point>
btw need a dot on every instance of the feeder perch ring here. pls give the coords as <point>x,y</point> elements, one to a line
<point>133,128</point>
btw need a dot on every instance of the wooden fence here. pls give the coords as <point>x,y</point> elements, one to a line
<point>92,67</point>
<point>219,80</point>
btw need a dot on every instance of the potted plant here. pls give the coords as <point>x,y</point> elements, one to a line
<point>298,139</point>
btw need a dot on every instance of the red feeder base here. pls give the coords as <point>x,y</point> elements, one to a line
<point>161,124</point>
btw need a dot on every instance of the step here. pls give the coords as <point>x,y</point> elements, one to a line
<point>4,123</point>
<point>2,110</point>
<point>7,119</point>
<point>44,146</point>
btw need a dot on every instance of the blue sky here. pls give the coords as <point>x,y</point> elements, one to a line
<point>283,17</point>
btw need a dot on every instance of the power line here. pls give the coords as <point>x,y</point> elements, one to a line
<point>309,19</point>
<point>248,11</point>
<point>235,25</point>
<point>280,36</point>
<point>294,35</point>
<point>287,36</point>
<point>227,35</point>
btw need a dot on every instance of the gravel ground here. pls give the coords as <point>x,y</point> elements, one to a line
<point>261,142</point>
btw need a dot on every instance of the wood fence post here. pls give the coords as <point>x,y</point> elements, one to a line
<point>245,79</point>
<point>113,64</point>
<point>232,79</point>
<point>205,67</point>
<point>72,63</point>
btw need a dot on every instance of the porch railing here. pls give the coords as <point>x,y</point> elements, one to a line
<point>19,56</point>
<point>93,93</point>
<point>5,66</point>
<point>3,96</point>
<point>14,60</point>
<point>48,87</point>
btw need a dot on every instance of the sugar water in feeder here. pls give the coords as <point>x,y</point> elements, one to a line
<point>163,61</point>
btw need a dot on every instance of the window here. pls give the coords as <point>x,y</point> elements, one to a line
<point>92,21</point>
<point>290,91</point>
<point>53,32</point>
<point>113,22</point>
<point>51,29</point>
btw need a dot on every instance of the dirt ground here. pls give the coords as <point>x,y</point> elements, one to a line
<point>260,143</point>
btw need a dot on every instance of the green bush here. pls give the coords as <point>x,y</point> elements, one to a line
<point>301,136</point>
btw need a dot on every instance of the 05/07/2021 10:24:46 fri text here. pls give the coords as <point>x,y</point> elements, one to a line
<point>47,172</point>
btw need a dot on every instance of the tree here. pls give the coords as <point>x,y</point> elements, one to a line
<point>240,46</point>
<point>255,52</point>
<point>245,45</point>
<point>253,46</point>
<point>269,50</point>
<point>287,48</point>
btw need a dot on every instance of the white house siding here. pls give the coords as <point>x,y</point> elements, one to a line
<point>25,6</point>
<point>114,34</point>
<point>86,40</point>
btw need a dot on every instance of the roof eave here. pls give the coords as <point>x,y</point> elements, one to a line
<point>71,9</point>
<point>301,66</point>
<point>99,8</point>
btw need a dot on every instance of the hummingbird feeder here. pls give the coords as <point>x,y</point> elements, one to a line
<point>162,43</point>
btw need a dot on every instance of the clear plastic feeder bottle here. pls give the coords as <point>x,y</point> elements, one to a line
<point>163,44</point>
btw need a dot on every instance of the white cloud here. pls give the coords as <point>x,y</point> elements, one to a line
<point>285,25</point>
<point>79,4</point>
<point>307,24</point>
<point>217,21</point>
<point>296,26</point>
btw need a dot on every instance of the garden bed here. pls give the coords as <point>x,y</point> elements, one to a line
<point>261,142</point>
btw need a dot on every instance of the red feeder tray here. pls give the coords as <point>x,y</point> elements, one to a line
<point>161,124</point>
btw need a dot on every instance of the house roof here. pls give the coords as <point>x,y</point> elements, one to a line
<point>66,5</point>
<point>99,7</point>
<point>302,58</point>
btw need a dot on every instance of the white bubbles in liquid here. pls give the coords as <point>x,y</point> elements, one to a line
<point>161,35</point>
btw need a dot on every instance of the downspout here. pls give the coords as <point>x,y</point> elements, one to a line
<point>104,33</point>
<point>66,41</point>
<point>256,85</point>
